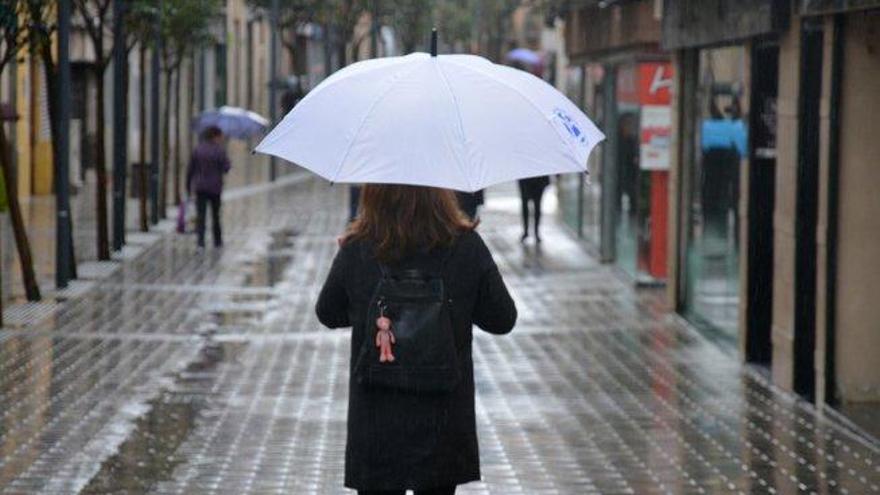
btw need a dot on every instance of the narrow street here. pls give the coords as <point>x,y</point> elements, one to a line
<point>202,373</point>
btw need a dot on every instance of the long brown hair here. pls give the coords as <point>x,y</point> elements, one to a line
<point>400,220</point>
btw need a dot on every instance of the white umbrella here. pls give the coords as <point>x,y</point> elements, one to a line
<point>451,121</point>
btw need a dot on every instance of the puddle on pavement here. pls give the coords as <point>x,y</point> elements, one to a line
<point>269,269</point>
<point>150,454</point>
<point>247,308</point>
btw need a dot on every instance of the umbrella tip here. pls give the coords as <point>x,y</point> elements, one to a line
<point>433,42</point>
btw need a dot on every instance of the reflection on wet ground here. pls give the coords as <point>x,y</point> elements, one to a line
<point>39,215</point>
<point>204,374</point>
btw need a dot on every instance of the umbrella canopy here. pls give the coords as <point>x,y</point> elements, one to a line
<point>233,121</point>
<point>451,121</point>
<point>524,56</point>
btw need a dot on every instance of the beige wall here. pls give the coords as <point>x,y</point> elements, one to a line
<point>858,285</point>
<point>857,324</point>
<point>822,231</point>
<point>675,183</point>
<point>744,65</point>
<point>784,213</point>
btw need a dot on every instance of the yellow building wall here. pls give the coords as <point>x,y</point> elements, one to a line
<point>41,154</point>
<point>22,129</point>
<point>33,145</point>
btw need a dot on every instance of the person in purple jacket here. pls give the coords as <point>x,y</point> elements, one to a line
<point>204,178</point>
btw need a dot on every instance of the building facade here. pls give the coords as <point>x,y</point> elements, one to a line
<point>24,93</point>
<point>769,189</point>
<point>619,75</point>
<point>769,226</point>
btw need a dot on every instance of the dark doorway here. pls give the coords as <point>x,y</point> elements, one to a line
<point>761,200</point>
<point>807,209</point>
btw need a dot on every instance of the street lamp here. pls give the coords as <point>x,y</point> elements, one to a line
<point>273,77</point>
<point>120,107</point>
<point>63,245</point>
<point>155,156</point>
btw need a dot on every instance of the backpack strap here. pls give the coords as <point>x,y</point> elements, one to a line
<point>383,270</point>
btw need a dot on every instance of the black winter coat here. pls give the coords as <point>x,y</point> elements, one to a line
<point>398,440</point>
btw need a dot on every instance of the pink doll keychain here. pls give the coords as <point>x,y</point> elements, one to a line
<point>384,337</point>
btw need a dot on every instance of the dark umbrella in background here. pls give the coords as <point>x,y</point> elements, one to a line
<point>235,122</point>
<point>529,59</point>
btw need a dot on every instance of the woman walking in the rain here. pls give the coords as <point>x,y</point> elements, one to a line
<point>204,178</point>
<point>412,277</point>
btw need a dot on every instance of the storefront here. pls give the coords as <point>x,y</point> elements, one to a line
<point>579,195</point>
<point>625,83</point>
<point>773,182</point>
<point>725,165</point>
<point>827,227</point>
<point>642,116</point>
<point>719,152</point>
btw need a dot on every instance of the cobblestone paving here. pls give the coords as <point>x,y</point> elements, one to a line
<point>203,374</point>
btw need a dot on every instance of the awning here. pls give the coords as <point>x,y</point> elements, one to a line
<point>817,7</point>
<point>695,23</point>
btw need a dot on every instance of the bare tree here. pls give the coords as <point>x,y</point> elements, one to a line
<point>412,21</point>
<point>97,22</point>
<point>139,19</point>
<point>293,16</point>
<point>42,24</point>
<point>186,26</point>
<point>13,37</point>
<point>343,16</point>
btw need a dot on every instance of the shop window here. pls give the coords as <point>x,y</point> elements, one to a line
<point>719,154</point>
<point>641,167</point>
<point>568,185</point>
<point>580,195</point>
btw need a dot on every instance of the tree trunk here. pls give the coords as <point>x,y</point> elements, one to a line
<point>328,49</point>
<point>32,290</point>
<point>294,62</point>
<point>142,115</point>
<point>101,169</point>
<point>166,146</point>
<point>177,119</point>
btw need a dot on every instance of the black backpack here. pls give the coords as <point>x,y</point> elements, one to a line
<point>425,355</point>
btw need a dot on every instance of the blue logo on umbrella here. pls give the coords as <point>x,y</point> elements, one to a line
<point>568,123</point>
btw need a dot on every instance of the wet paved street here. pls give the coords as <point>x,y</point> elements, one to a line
<point>192,373</point>
<point>39,215</point>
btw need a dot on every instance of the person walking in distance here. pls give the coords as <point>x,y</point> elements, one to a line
<point>204,178</point>
<point>411,278</point>
<point>531,190</point>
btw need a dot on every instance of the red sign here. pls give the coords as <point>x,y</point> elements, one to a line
<point>655,83</point>
<point>648,83</point>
